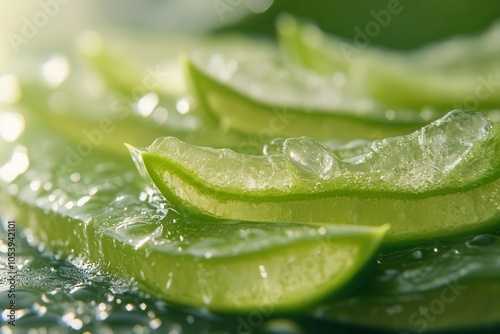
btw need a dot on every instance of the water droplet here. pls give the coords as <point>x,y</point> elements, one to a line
<point>281,326</point>
<point>275,146</point>
<point>390,114</point>
<point>55,70</point>
<point>417,255</point>
<point>151,314</point>
<point>147,104</point>
<point>82,200</point>
<point>17,165</point>
<point>70,320</point>
<point>10,90</point>
<point>184,105</point>
<point>160,115</point>
<point>482,240</point>
<point>427,114</point>
<point>75,177</point>
<point>11,125</point>
<point>263,272</point>
<point>311,156</point>
<point>190,319</point>
<point>155,323</point>
<point>35,185</point>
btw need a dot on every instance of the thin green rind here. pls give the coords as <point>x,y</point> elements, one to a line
<point>243,113</point>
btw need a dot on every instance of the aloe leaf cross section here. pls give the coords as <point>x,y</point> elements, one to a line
<point>442,179</point>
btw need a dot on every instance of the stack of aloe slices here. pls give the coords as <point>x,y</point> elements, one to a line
<point>238,232</point>
<point>103,211</point>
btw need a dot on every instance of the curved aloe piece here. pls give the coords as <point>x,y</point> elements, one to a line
<point>155,65</point>
<point>442,179</point>
<point>267,100</point>
<point>107,119</point>
<point>425,288</point>
<point>305,44</point>
<point>100,211</point>
<point>460,71</point>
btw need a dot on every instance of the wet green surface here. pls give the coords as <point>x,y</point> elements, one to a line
<point>443,285</point>
<point>400,294</point>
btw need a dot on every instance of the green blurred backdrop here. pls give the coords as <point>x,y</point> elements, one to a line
<point>419,22</point>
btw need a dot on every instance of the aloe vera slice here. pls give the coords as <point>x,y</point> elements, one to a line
<point>83,109</point>
<point>268,100</point>
<point>306,45</point>
<point>440,180</point>
<point>459,71</point>
<point>101,211</point>
<point>123,67</point>
<point>426,288</point>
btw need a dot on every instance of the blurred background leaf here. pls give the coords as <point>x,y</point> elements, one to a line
<point>419,22</point>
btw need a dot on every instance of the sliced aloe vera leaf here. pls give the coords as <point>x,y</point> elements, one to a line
<point>155,65</point>
<point>269,100</point>
<point>305,44</point>
<point>101,212</point>
<point>442,75</point>
<point>426,289</point>
<point>83,109</point>
<point>402,85</point>
<point>149,65</point>
<point>442,179</point>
